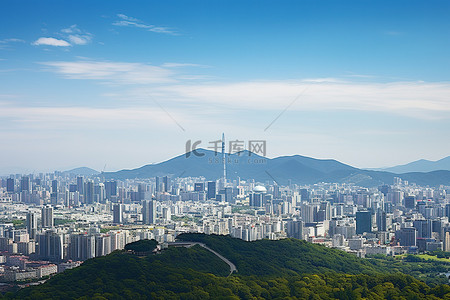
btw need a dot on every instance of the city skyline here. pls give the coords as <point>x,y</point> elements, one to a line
<point>97,84</point>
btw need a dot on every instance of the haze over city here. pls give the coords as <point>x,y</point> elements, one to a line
<point>95,84</point>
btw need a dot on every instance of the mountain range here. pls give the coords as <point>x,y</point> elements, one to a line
<point>296,169</point>
<point>421,165</point>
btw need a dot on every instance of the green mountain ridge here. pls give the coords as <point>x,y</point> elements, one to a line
<point>284,269</point>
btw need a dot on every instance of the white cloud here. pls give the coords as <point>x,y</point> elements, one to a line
<point>79,40</point>
<point>114,72</point>
<point>49,41</point>
<point>86,117</point>
<point>126,21</point>
<point>6,43</point>
<point>426,100</point>
<point>414,99</point>
<point>71,36</point>
<point>77,36</point>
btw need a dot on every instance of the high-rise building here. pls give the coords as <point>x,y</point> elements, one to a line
<point>199,187</point>
<point>295,229</point>
<point>31,225</point>
<point>89,192</point>
<point>82,247</point>
<point>211,190</point>
<point>446,241</point>
<point>166,183</point>
<point>229,197</point>
<point>424,228</point>
<point>47,216</point>
<point>50,246</point>
<point>158,184</point>
<point>381,220</point>
<point>407,236</point>
<point>80,185</point>
<point>307,212</point>
<point>363,222</point>
<point>10,182</point>
<point>110,189</point>
<point>54,186</point>
<point>25,184</point>
<point>149,211</point>
<point>118,213</point>
<point>410,202</point>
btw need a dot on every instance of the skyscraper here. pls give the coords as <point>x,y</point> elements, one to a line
<point>158,184</point>
<point>10,185</point>
<point>31,225</point>
<point>149,211</point>
<point>363,222</point>
<point>199,187</point>
<point>110,189</point>
<point>295,229</point>
<point>89,192</point>
<point>80,185</point>
<point>50,246</point>
<point>407,236</point>
<point>25,184</point>
<point>381,220</point>
<point>118,213</point>
<point>47,216</point>
<point>211,190</point>
<point>166,184</point>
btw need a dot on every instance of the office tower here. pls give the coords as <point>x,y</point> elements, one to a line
<point>31,225</point>
<point>211,190</point>
<point>307,212</point>
<point>72,188</point>
<point>25,184</point>
<point>229,197</point>
<point>89,192</point>
<point>294,229</point>
<point>10,185</point>
<point>424,228</point>
<point>158,184</point>
<point>395,197</point>
<point>276,191</point>
<point>381,220</point>
<point>117,213</point>
<point>149,211</point>
<point>410,202</point>
<point>99,194</point>
<point>363,222</point>
<point>110,189</point>
<point>325,210</point>
<point>199,187</point>
<point>406,236</point>
<point>50,246</point>
<point>54,186</point>
<point>47,216</point>
<point>304,194</point>
<point>166,183</point>
<point>80,185</point>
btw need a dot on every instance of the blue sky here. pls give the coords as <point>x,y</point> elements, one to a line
<point>90,83</point>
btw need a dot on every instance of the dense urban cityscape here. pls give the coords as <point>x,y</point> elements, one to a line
<point>52,222</point>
